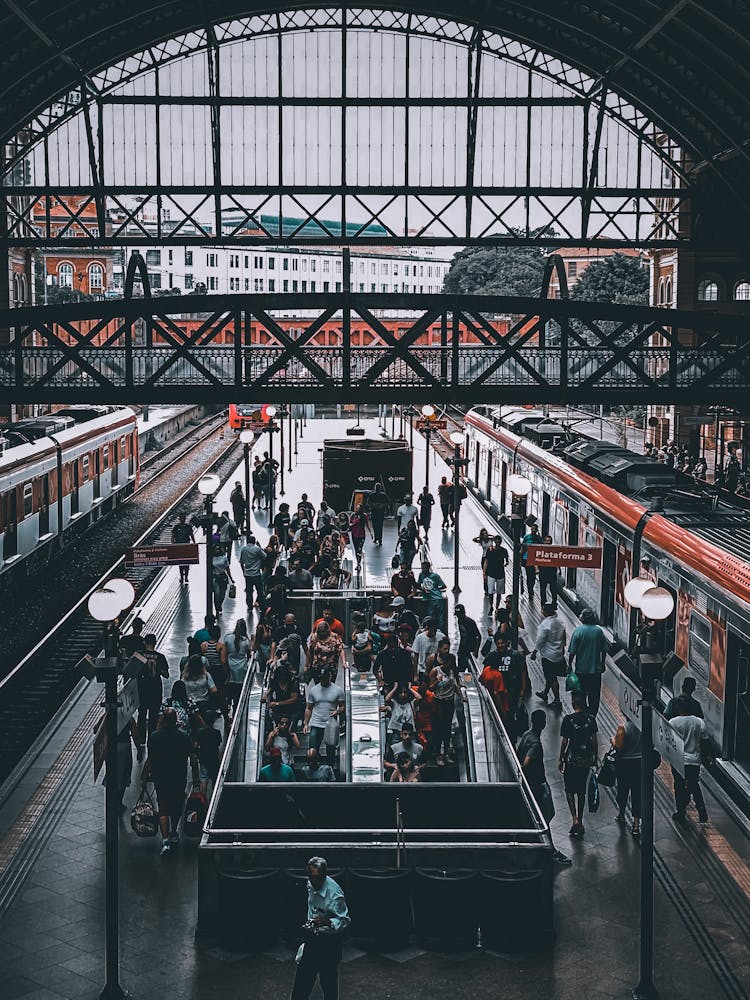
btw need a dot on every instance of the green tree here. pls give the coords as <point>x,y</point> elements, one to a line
<point>505,270</point>
<point>619,279</point>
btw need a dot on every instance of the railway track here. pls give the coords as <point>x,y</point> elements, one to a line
<point>33,605</point>
<point>32,689</point>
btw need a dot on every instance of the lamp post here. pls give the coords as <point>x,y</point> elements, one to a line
<point>105,605</point>
<point>519,488</point>
<point>457,439</point>
<point>247,437</point>
<point>409,412</point>
<point>281,414</point>
<point>290,440</point>
<point>271,411</point>
<point>428,412</point>
<point>208,487</point>
<point>656,605</point>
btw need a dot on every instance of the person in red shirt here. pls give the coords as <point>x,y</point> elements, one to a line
<point>403,583</point>
<point>492,678</point>
<point>333,623</point>
<point>424,716</point>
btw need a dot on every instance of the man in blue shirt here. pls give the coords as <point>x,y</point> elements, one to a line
<point>327,919</point>
<point>588,651</point>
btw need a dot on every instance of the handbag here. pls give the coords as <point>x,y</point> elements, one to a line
<point>487,646</point>
<point>395,561</point>
<point>195,814</point>
<point>607,774</point>
<point>331,732</point>
<point>232,590</point>
<point>572,681</point>
<point>144,819</point>
<point>592,793</point>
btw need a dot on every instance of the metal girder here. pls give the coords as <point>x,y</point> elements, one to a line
<point>498,348</point>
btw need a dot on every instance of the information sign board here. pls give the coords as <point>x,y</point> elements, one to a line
<point>578,556</point>
<point>630,701</point>
<point>668,742</point>
<point>433,425</point>
<point>162,555</point>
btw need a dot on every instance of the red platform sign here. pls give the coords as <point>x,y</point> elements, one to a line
<point>576,556</point>
<point>162,555</point>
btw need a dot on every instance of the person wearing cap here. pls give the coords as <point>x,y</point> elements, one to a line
<point>393,664</point>
<point>405,618</point>
<point>327,919</point>
<point>276,769</point>
<point>425,643</point>
<point>403,583</point>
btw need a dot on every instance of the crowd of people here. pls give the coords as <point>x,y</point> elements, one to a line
<point>728,473</point>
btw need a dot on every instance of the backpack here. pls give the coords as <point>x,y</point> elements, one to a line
<point>144,819</point>
<point>580,750</point>
<point>195,814</point>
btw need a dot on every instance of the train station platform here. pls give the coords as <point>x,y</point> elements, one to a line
<point>52,853</point>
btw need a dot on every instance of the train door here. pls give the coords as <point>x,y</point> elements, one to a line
<point>609,570</point>
<point>97,473</point>
<point>670,625</point>
<point>74,496</point>
<point>503,484</point>
<point>477,456</point>
<point>570,574</point>
<point>488,490</point>
<point>737,701</point>
<point>44,509</point>
<point>545,513</point>
<point>10,541</point>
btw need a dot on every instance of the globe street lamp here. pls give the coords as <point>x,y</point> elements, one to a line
<point>271,411</point>
<point>428,412</point>
<point>106,605</point>
<point>457,440</point>
<point>656,605</point>
<point>247,437</point>
<point>208,487</point>
<point>519,488</point>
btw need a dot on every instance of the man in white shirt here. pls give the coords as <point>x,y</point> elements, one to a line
<point>406,512</point>
<point>425,644</point>
<point>324,701</point>
<point>693,732</point>
<point>550,645</point>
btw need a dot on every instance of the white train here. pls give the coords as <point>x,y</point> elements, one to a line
<point>59,483</point>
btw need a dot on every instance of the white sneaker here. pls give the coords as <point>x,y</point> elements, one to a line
<point>166,848</point>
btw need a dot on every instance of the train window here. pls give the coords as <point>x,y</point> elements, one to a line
<point>105,456</point>
<point>122,449</point>
<point>85,475</point>
<point>28,499</point>
<point>699,648</point>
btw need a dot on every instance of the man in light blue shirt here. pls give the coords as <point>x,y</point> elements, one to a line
<point>327,919</point>
<point>588,652</point>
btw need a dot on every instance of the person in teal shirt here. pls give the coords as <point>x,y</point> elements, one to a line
<point>532,537</point>
<point>433,588</point>
<point>276,770</point>
<point>588,652</point>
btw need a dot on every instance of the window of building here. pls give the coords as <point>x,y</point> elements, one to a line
<point>213,283</point>
<point>295,264</point>
<point>338,267</point>
<point>572,268</point>
<point>326,286</point>
<point>285,264</point>
<point>153,258</point>
<point>256,285</point>
<point>338,286</point>
<point>660,293</point>
<point>188,258</point>
<point>361,286</point>
<point>65,275</point>
<point>304,285</point>
<point>295,285</point>
<point>247,261</point>
<point>271,285</point>
<point>421,270</point>
<point>384,267</point>
<point>313,265</point>
<point>188,281</point>
<point>326,266</point>
<point>313,286</point>
<point>668,292</point>
<point>210,259</point>
<point>429,272</point>
<point>742,291</point>
<point>170,256</point>
<point>414,271</point>
<point>28,499</point>
<point>373,267</point>
<point>285,286</point>
<point>247,284</point>
<point>303,266</point>
<point>96,277</point>
<point>271,263</point>
<point>155,279</point>
<point>361,267</point>
<point>384,287</point>
<point>258,262</point>
<point>372,287</point>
